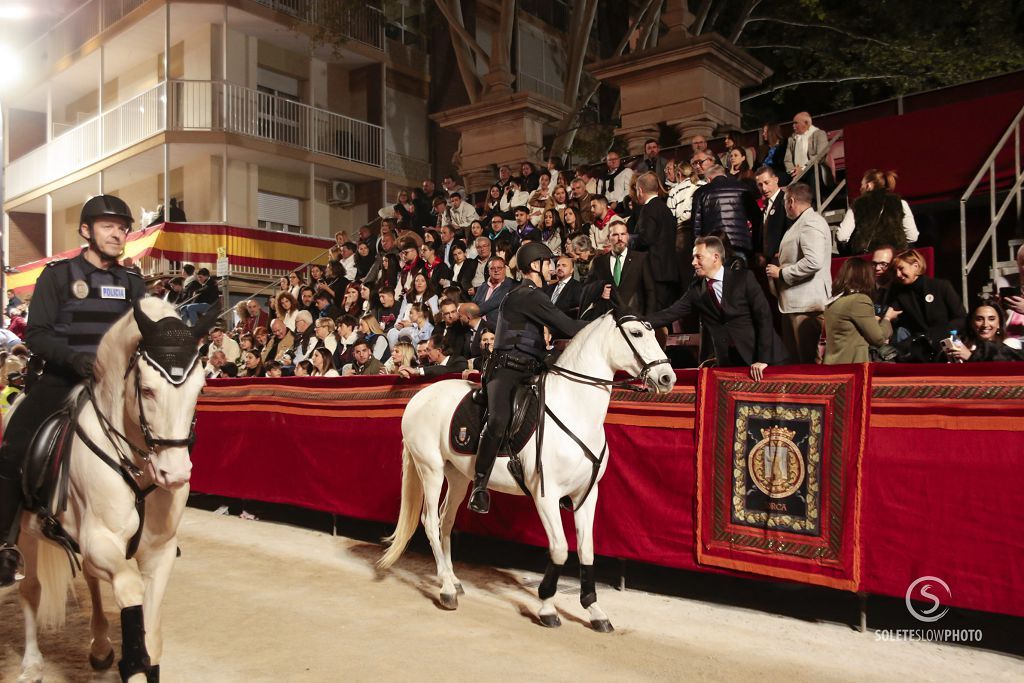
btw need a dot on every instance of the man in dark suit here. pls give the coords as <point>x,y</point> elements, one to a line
<point>629,274</point>
<point>656,234</point>
<point>469,315</point>
<point>493,291</point>
<point>732,308</point>
<point>773,221</point>
<point>456,335</point>
<point>565,293</point>
<point>442,362</point>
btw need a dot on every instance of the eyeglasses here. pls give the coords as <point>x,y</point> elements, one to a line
<point>881,264</point>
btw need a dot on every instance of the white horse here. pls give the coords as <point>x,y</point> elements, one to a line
<point>578,391</point>
<point>139,416</point>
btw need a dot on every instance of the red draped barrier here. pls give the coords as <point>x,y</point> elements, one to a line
<point>939,481</point>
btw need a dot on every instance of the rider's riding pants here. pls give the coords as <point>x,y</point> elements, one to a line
<point>45,398</point>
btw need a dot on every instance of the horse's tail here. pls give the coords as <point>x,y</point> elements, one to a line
<point>408,516</point>
<point>54,573</point>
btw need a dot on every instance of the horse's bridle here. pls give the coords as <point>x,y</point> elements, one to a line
<point>645,370</point>
<point>151,441</point>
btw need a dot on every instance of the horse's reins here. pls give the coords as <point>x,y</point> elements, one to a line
<point>124,465</point>
<point>582,378</point>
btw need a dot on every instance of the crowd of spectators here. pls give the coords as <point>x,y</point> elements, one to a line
<point>726,237</point>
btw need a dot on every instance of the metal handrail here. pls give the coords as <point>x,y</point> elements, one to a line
<point>816,163</point>
<point>995,214</point>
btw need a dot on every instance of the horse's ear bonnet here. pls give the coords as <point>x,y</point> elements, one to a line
<point>168,346</point>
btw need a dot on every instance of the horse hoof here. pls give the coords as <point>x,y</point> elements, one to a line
<point>459,590</point>
<point>449,601</point>
<point>98,664</point>
<point>602,626</point>
<point>550,620</point>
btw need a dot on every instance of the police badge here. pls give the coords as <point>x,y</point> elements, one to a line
<point>80,289</point>
<point>462,438</point>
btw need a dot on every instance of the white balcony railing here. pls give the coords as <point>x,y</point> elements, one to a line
<point>363,24</point>
<point>98,137</point>
<point>206,105</point>
<point>197,106</point>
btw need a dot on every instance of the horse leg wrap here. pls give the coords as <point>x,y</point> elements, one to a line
<point>588,589</point>
<point>134,657</point>
<point>550,582</point>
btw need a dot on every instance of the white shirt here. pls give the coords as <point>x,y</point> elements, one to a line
<point>558,289</point>
<point>801,140</point>
<point>464,215</point>
<point>618,188</point>
<point>716,281</point>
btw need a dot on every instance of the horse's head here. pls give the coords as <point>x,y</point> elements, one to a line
<point>162,386</point>
<point>635,350</point>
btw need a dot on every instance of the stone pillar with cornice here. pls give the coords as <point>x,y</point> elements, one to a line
<point>690,83</point>
<point>499,129</point>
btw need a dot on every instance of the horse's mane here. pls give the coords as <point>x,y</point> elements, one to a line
<point>115,353</point>
<point>584,340</point>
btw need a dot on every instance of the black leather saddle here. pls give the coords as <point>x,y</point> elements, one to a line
<point>470,416</point>
<point>45,475</point>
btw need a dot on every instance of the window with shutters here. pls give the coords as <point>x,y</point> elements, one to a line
<point>279,212</point>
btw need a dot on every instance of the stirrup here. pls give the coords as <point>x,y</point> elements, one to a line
<point>480,501</point>
<point>10,555</point>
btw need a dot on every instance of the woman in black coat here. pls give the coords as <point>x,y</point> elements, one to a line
<point>929,307</point>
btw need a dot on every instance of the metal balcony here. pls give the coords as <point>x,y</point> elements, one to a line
<point>196,106</point>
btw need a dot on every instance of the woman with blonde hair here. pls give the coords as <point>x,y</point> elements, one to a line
<point>370,329</point>
<point>925,306</point>
<point>402,356</point>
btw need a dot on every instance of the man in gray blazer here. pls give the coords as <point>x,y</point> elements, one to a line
<point>806,144</point>
<point>803,278</point>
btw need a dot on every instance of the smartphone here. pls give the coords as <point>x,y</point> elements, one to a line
<point>1005,292</point>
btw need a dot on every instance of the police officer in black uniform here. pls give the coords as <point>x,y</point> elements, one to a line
<point>519,350</point>
<point>74,303</point>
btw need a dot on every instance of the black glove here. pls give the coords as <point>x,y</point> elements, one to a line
<point>82,364</point>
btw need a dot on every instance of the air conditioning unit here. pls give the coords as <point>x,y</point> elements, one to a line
<point>343,193</point>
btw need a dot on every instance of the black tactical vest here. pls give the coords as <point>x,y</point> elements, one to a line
<point>515,331</point>
<point>82,322</point>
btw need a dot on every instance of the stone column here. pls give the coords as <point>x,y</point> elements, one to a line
<point>499,129</point>
<point>691,83</point>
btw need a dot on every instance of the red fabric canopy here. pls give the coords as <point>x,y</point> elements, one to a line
<point>937,151</point>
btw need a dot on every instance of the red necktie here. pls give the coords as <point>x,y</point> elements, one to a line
<point>714,295</point>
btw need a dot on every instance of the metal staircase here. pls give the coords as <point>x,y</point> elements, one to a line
<point>997,211</point>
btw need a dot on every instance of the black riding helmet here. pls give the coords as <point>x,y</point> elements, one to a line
<point>106,205</point>
<point>530,252</point>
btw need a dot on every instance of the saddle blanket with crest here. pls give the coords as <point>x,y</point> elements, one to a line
<point>469,418</point>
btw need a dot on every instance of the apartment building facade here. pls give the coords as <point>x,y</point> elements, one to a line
<point>230,107</point>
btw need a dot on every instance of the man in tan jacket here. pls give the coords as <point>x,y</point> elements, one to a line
<point>803,279</point>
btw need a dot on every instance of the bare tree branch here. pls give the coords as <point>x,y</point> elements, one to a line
<point>776,47</point>
<point>702,17</point>
<point>649,28</point>
<point>505,25</point>
<point>793,84</point>
<point>583,15</point>
<point>741,23</point>
<point>452,10</point>
<point>826,27</point>
<point>566,132</point>
<point>453,13</point>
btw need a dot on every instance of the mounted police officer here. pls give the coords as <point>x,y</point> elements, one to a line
<point>74,303</point>
<point>519,350</point>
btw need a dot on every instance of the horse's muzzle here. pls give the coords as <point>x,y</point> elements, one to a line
<point>662,381</point>
<point>170,477</point>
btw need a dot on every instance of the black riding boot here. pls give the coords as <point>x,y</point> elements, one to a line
<point>487,451</point>
<point>10,507</point>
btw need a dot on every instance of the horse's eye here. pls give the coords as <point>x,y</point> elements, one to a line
<point>637,333</point>
<point>147,393</point>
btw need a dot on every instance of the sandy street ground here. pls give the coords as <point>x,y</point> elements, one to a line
<point>255,601</point>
